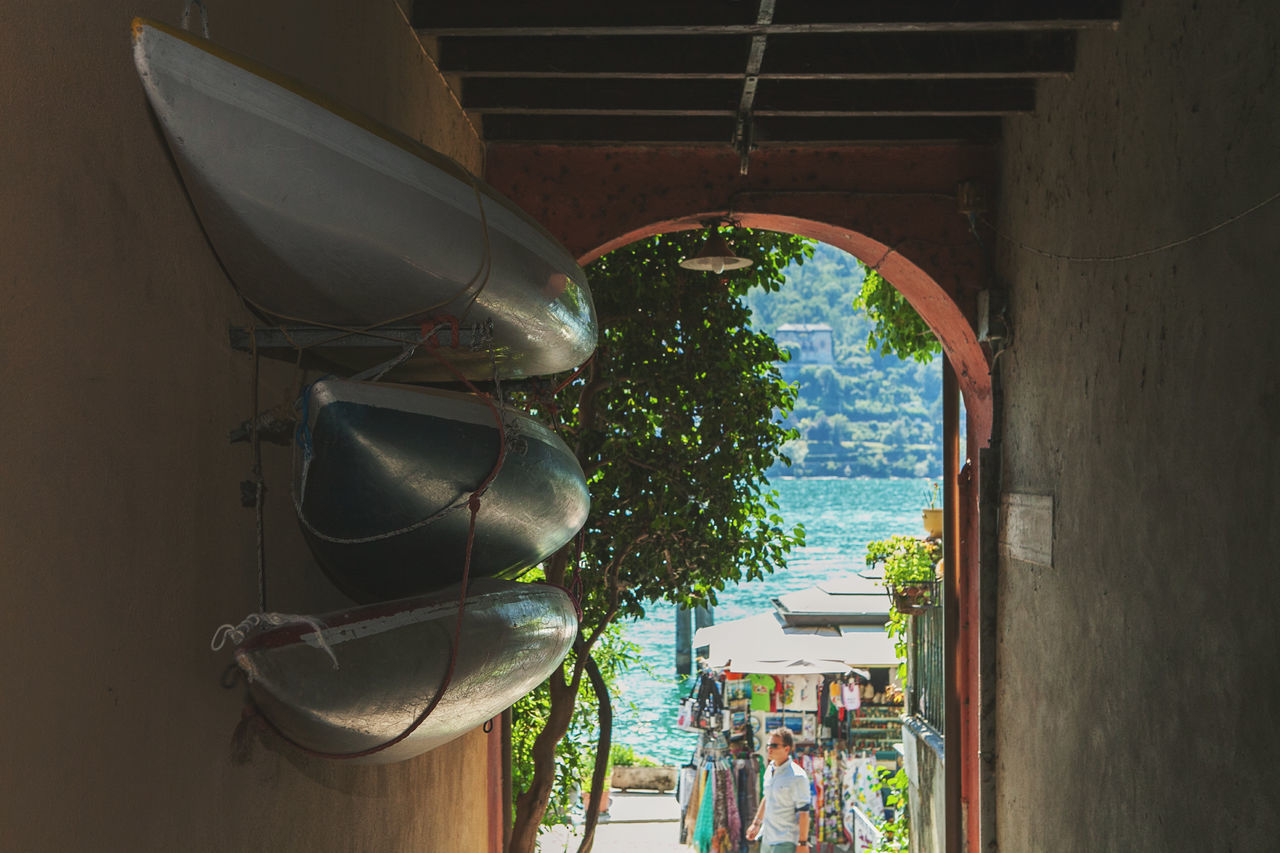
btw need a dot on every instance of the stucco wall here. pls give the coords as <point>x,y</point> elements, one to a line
<point>122,539</point>
<point>927,791</point>
<point>1138,674</point>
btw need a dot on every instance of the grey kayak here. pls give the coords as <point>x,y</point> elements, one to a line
<point>391,659</point>
<point>383,472</point>
<point>320,214</point>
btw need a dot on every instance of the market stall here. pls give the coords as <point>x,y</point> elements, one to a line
<point>833,685</point>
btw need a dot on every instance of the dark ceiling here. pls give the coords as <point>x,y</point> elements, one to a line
<point>750,73</point>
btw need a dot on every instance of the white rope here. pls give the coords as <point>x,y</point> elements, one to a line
<point>254,622</point>
<point>375,373</point>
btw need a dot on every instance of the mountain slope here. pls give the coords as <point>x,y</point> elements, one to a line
<point>867,414</point>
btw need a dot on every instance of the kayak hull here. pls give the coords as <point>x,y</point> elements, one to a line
<point>391,660</point>
<point>320,215</point>
<point>383,478</point>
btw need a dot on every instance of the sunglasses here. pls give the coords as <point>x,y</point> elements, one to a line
<point>775,746</point>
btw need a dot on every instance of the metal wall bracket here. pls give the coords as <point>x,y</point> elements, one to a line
<point>308,337</point>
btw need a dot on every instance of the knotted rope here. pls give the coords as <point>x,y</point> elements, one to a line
<point>304,446</point>
<point>473,505</point>
<point>255,622</point>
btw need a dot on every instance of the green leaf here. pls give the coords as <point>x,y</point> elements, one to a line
<point>676,420</point>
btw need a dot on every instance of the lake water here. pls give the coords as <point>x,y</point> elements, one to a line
<point>840,517</point>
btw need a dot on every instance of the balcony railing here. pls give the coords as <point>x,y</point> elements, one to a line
<point>926,693</point>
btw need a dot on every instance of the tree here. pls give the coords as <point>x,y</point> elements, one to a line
<point>898,329</point>
<point>613,653</point>
<point>675,420</point>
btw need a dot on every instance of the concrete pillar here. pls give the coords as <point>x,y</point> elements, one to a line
<point>684,641</point>
<point>703,617</point>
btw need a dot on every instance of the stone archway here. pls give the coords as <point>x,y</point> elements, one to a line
<point>938,309</point>
<point>894,209</point>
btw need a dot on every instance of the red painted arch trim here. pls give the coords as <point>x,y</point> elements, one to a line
<point>935,305</point>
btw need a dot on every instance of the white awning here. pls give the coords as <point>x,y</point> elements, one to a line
<point>764,643</point>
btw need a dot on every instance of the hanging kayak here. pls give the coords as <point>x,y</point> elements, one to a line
<point>320,214</point>
<point>369,673</point>
<point>382,478</point>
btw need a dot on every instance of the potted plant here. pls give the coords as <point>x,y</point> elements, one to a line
<point>932,515</point>
<point>605,799</point>
<point>632,771</point>
<point>909,570</point>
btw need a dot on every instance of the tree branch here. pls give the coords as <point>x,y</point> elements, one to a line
<point>605,719</point>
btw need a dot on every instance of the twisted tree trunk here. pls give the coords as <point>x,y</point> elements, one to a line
<point>604,715</point>
<point>532,804</point>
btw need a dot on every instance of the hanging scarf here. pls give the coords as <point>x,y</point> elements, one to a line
<point>722,799</point>
<point>685,784</point>
<point>704,828</point>
<point>691,813</point>
<point>750,786</point>
<point>735,817</point>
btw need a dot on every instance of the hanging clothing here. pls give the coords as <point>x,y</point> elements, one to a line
<point>827,818</point>
<point>762,692</point>
<point>858,777</point>
<point>748,796</point>
<point>691,814</point>
<point>735,817</point>
<point>721,776</point>
<point>686,785</point>
<point>852,696</point>
<point>704,829</point>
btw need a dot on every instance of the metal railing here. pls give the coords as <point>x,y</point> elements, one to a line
<point>926,667</point>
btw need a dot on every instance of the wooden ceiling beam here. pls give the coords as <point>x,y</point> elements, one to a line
<point>710,17</point>
<point>850,57</point>
<point>713,130</point>
<point>793,130</point>
<point>921,56</point>
<point>621,56</point>
<point>578,96</point>
<point>489,96</point>
<point>577,130</point>
<point>894,97</point>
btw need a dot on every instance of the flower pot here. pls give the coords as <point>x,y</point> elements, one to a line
<point>932,519</point>
<point>914,597</point>
<point>644,778</point>
<point>604,798</point>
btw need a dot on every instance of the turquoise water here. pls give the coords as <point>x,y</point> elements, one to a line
<point>840,516</point>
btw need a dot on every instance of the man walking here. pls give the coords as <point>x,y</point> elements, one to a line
<point>782,821</point>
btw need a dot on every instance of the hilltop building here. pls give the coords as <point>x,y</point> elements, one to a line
<point>808,343</point>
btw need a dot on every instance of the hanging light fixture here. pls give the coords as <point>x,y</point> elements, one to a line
<point>715,255</point>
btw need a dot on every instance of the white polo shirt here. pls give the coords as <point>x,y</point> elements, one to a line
<point>786,794</point>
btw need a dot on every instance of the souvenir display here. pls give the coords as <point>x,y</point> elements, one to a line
<point>844,727</point>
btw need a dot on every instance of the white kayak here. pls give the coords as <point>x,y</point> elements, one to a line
<point>384,473</point>
<point>321,215</point>
<point>391,659</point>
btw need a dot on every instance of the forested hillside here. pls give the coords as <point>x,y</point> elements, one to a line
<point>866,415</point>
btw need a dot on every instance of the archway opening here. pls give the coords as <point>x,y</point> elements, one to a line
<point>965,376</point>
<point>935,306</point>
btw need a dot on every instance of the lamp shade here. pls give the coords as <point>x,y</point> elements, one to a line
<point>715,256</point>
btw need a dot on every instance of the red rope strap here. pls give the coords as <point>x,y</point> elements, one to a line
<point>573,583</point>
<point>572,376</point>
<point>473,504</point>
